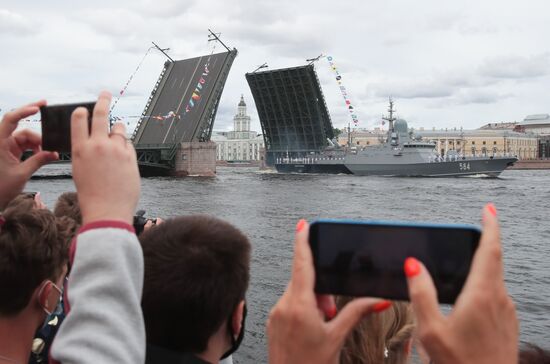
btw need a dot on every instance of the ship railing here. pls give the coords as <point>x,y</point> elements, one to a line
<point>306,160</point>
<point>460,157</point>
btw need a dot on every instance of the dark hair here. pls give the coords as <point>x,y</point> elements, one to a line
<point>67,205</point>
<point>196,272</point>
<point>33,248</point>
<point>532,354</point>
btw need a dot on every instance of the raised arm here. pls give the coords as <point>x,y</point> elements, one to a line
<point>14,173</point>
<point>297,329</point>
<point>104,323</point>
<point>483,327</point>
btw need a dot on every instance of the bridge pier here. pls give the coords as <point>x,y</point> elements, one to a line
<point>195,159</point>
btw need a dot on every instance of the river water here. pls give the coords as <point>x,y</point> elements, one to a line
<point>266,206</point>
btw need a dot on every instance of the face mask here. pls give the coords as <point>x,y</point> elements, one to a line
<point>235,343</point>
<point>53,318</point>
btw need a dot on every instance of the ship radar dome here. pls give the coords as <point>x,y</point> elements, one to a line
<point>401,126</point>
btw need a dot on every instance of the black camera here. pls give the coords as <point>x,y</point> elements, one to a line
<point>140,220</point>
<point>56,125</point>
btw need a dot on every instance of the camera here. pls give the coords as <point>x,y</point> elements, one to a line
<point>56,125</point>
<point>140,220</point>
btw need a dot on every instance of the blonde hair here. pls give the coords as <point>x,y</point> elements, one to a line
<point>381,337</point>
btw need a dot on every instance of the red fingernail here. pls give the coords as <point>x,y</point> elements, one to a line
<point>331,313</point>
<point>492,209</point>
<point>381,306</point>
<point>412,267</point>
<point>300,225</point>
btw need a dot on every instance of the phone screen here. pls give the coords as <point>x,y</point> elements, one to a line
<point>56,125</point>
<point>366,259</point>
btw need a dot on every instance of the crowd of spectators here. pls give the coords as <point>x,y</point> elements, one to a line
<point>178,294</point>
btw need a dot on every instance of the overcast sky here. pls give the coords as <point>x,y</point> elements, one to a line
<point>446,63</point>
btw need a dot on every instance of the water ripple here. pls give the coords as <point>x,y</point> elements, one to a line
<point>266,206</point>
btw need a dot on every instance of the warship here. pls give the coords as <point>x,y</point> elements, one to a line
<point>400,154</point>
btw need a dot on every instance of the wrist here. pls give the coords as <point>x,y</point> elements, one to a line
<point>107,213</point>
<point>106,224</point>
<point>95,218</point>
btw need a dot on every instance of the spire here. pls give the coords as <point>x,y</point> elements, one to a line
<point>242,103</point>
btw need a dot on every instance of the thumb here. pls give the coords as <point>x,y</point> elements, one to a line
<point>422,293</point>
<point>326,304</point>
<point>351,314</point>
<point>37,160</point>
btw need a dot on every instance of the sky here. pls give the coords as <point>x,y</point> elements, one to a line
<point>445,63</point>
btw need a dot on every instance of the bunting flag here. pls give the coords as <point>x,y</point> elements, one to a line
<point>196,95</point>
<point>123,90</point>
<point>171,114</point>
<point>343,91</point>
<point>31,120</point>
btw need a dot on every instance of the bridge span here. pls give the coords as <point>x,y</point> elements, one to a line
<point>181,109</point>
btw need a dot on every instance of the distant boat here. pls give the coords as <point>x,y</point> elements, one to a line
<point>399,155</point>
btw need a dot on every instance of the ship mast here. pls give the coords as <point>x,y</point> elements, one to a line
<point>390,119</point>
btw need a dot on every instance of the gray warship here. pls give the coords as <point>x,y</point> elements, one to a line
<point>400,154</point>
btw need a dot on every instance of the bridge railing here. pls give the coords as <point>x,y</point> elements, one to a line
<point>146,109</point>
<point>155,146</point>
<point>161,155</point>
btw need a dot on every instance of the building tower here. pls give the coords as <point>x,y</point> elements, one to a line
<point>241,121</point>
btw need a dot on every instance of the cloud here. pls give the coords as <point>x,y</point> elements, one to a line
<point>480,97</point>
<point>165,9</point>
<point>412,89</point>
<point>224,117</point>
<point>516,67</point>
<point>16,24</point>
<point>113,21</point>
<point>485,84</point>
<point>429,57</point>
<point>445,21</point>
<point>395,40</point>
<point>287,38</point>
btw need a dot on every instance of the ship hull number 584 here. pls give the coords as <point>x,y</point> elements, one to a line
<point>464,166</point>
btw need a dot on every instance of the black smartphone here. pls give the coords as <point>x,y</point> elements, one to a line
<point>366,258</point>
<point>56,125</point>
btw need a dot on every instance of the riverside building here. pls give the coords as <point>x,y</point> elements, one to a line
<point>478,142</point>
<point>240,144</point>
<point>537,124</point>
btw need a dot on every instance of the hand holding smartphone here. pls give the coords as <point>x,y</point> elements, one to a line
<point>56,125</point>
<point>366,258</point>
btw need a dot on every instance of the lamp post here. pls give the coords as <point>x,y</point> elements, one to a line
<point>260,67</point>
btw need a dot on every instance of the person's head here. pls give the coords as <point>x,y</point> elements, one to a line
<point>532,354</point>
<point>24,196</point>
<point>196,277</point>
<point>384,337</point>
<point>33,259</point>
<point>67,205</point>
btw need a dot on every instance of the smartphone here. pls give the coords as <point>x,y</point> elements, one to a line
<point>366,258</point>
<point>56,125</point>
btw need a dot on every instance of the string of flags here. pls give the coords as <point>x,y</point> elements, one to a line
<point>31,120</point>
<point>195,98</point>
<point>343,90</point>
<point>196,95</point>
<point>171,114</point>
<point>135,71</point>
<point>123,90</point>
